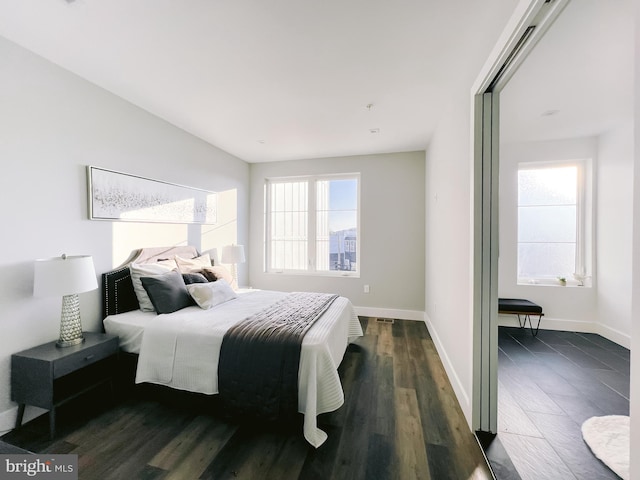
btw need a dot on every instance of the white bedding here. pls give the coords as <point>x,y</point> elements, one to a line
<point>180,350</point>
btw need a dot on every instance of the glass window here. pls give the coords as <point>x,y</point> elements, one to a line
<point>312,224</point>
<point>551,233</point>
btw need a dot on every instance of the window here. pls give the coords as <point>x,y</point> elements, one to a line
<point>552,220</point>
<point>311,224</point>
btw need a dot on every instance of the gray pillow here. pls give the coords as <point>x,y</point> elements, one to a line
<point>168,292</point>
<point>194,277</point>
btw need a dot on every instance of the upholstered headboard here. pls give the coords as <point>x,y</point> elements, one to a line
<point>118,295</point>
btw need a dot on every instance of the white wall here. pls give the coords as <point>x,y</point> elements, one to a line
<point>449,214</point>
<point>603,307</point>
<point>562,305</point>
<point>53,124</point>
<point>614,241</point>
<point>392,231</point>
<point>448,245</point>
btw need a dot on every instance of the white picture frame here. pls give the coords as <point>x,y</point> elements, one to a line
<point>117,196</point>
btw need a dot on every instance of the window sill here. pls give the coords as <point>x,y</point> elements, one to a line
<point>551,283</point>
<point>294,273</point>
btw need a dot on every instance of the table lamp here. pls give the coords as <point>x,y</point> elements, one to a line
<point>232,255</point>
<point>66,276</point>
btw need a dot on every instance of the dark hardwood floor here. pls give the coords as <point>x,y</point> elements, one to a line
<point>547,387</point>
<point>400,420</point>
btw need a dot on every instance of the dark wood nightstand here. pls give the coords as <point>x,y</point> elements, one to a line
<point>47,376</point>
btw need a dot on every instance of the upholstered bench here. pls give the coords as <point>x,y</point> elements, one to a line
<point>523,309</point>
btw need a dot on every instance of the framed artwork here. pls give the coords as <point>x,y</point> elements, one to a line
<point>124,197</point>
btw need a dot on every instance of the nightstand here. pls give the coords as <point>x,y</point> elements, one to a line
<point>48,376</point>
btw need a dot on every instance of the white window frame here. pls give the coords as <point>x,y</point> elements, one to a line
<point>311,227</point>
<point>584,221</point>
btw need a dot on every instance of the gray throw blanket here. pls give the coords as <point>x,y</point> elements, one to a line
<point>260,356</point>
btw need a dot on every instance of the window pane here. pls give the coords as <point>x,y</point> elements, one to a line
<point>288,231</point>
<point>288,226</point>
<point>547,224</point>
<point>547,186</point>
<point>337,224</point>
<point>546,260</point>
<point>547,221</point>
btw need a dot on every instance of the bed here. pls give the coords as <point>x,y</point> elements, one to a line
<point>181,349</point>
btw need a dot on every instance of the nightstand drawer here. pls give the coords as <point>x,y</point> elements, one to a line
<point>84,357</point>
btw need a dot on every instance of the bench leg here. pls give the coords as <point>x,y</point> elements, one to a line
<point>527,318</point>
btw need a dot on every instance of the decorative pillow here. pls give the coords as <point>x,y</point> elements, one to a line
<point>209,275</point>
<point>168,262</point>
<point>208,295</point>
<point>194,277</point>
<point>188,265</point>
<point>144,270</point>
<point>221,273</point>
<point>167,292</point>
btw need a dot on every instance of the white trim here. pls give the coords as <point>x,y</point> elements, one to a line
<point>389,313</point>
<point>461,394</point>
<point>614,335</point>
<point>311,212</point>
<point>583,254</point>
<point>579,326</point>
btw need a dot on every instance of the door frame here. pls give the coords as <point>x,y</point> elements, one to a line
<point>530,21</point>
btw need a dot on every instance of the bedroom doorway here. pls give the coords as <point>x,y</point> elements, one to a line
<point>529,24</point>
<point>600,356</point>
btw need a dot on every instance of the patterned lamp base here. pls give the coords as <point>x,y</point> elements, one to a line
<point>70,325</point>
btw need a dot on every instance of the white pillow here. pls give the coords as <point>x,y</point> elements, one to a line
<point>188,265</point>
<point>208,295</point>
<point>145,270</point>
<point>168,262</point>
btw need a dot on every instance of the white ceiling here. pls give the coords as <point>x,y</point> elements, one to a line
<point>291,79</point>
<point>582,70</point>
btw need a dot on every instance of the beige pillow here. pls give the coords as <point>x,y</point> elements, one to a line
<point>145,270</point>
<point>188,265</point>
<point>208,295</point>
<point>221,273</point>
<point>169,262</point>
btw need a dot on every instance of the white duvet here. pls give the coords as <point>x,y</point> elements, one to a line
<point>181,350</point>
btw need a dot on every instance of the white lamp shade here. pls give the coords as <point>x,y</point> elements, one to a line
<point>233,254</point>
<point>64,275</point>
<point>213,254</point>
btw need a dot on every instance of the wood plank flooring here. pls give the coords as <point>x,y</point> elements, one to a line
<point>547,386</point>
<point>400,420</point>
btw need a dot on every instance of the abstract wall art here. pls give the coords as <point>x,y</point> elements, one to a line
<point>124,197</point>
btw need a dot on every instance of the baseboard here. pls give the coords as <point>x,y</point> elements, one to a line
<point>571,326</point>
<point>548,323</point>
<point>389,313</point>
<point>8,417</point>
<point>614,335</point>
<point>461,393</point>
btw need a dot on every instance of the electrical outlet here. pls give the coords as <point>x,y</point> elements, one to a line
<point>366,289</point>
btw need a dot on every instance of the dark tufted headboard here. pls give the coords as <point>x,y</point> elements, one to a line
<point>118,295</point>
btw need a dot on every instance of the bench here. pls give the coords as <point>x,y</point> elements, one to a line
<point>523,309</point>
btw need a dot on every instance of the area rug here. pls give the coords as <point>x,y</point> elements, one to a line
<point>608,438</point>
